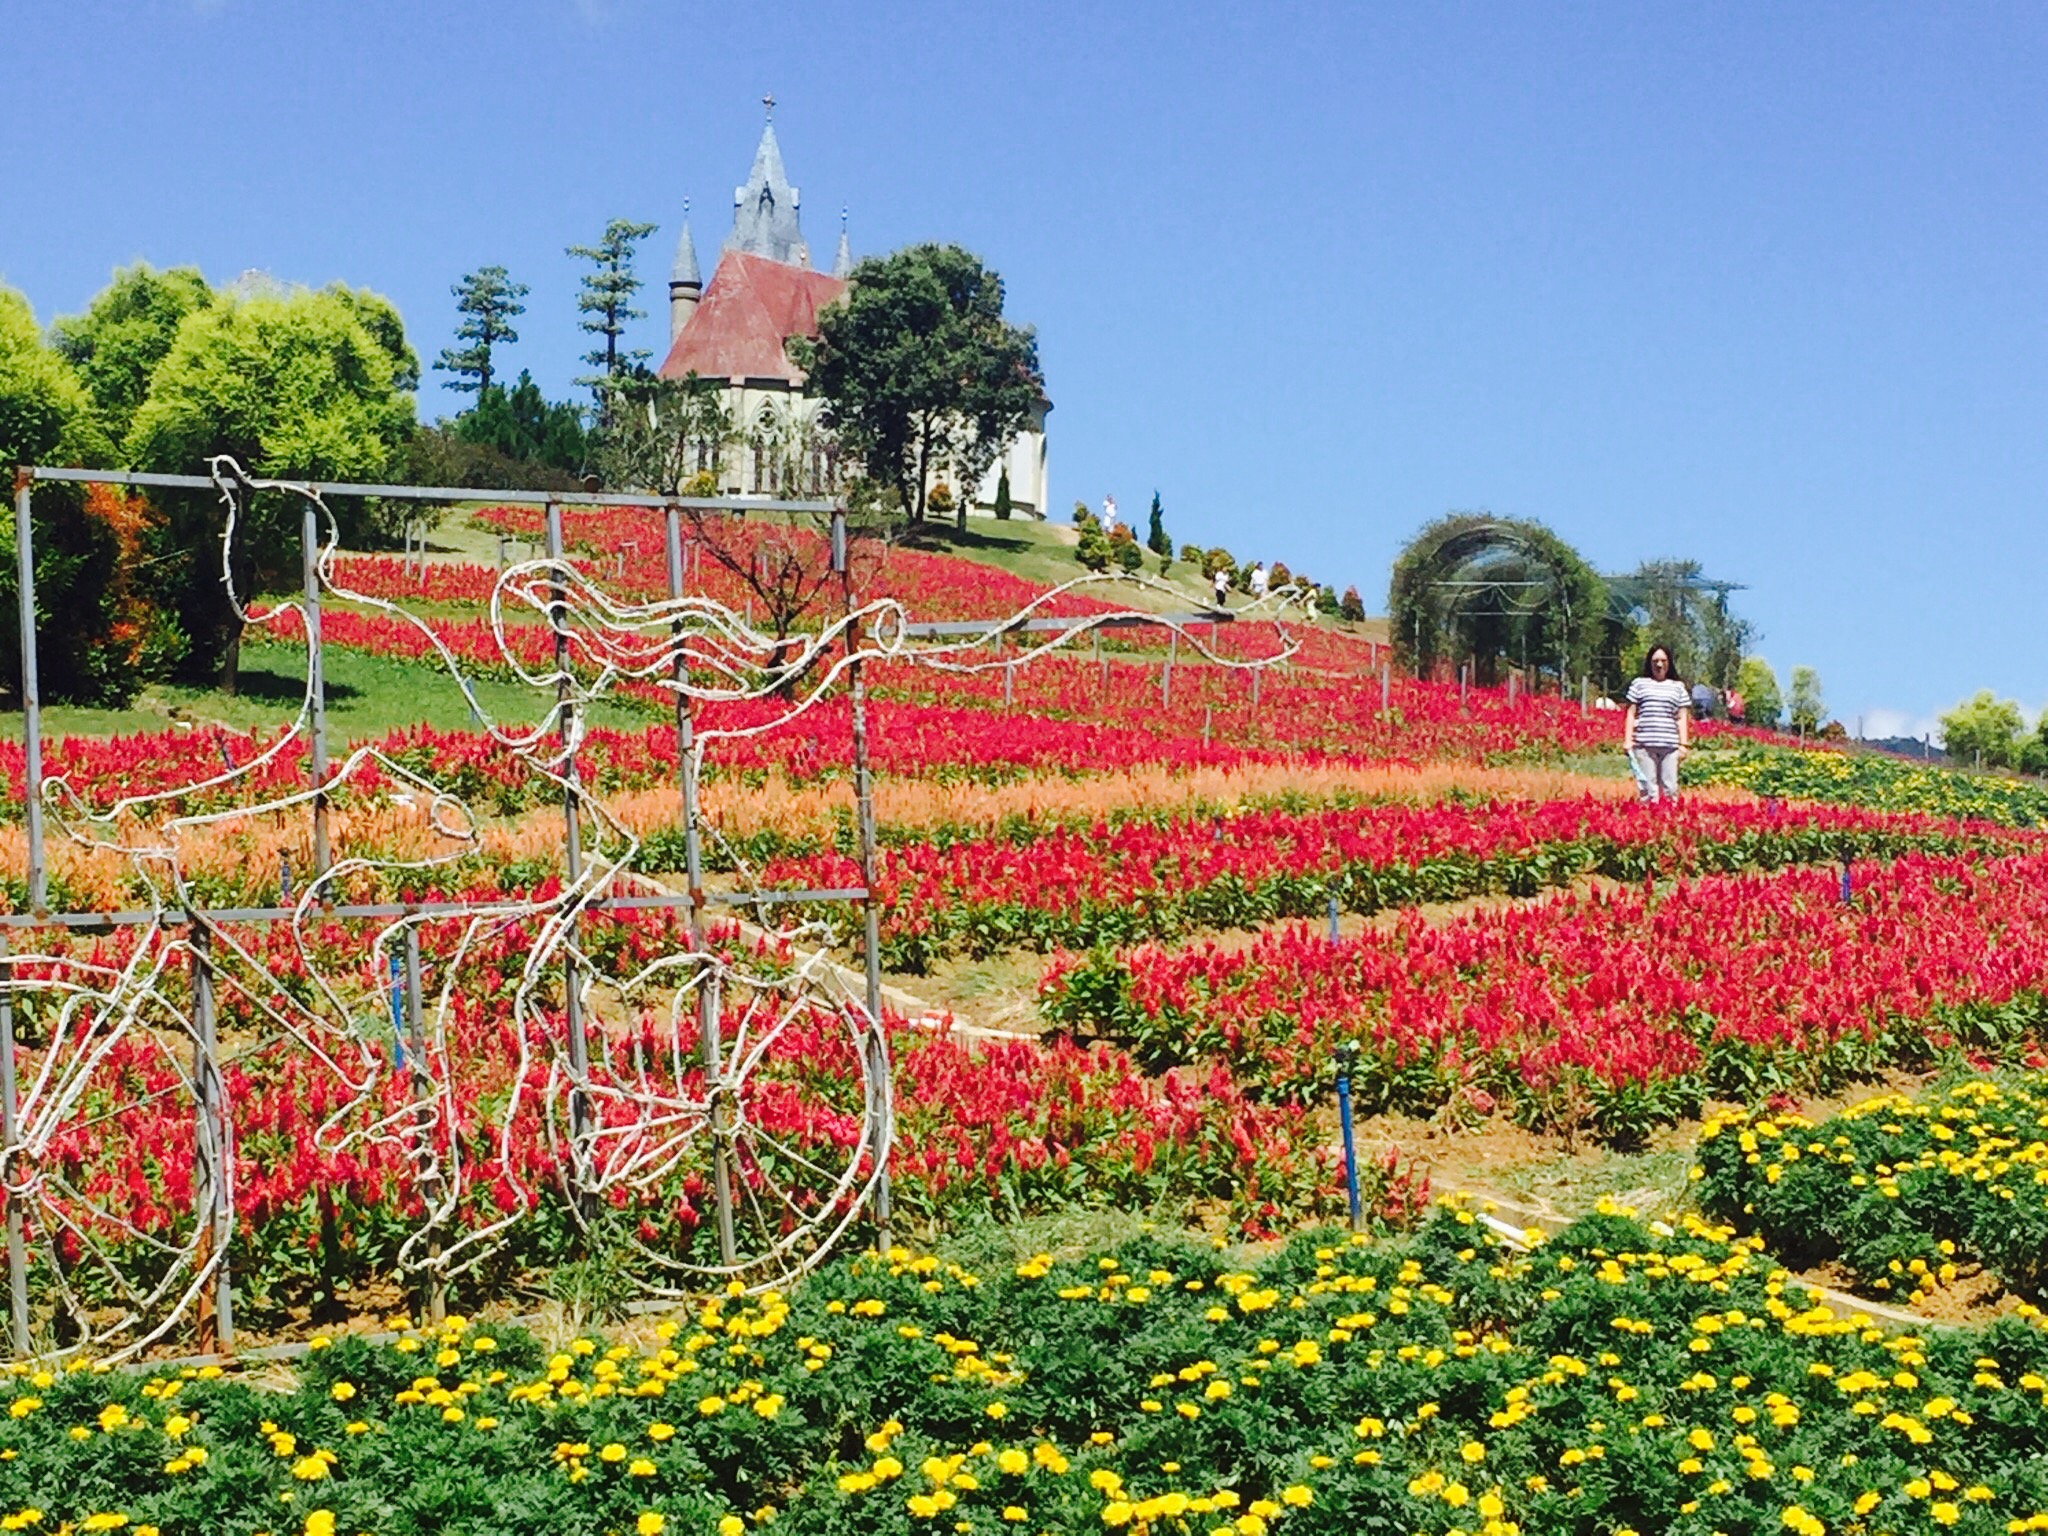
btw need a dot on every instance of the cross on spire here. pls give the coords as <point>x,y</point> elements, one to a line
<point>768,101</point>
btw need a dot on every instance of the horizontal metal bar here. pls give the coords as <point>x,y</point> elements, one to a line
<point>944,627</point>
<point>742,899</point>
<point>178,917</point>
<point>437,492</point>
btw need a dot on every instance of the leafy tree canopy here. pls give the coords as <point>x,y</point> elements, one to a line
<point>124,333</point>
<point>292,386</point>
<point>1984,727</point>
<point>488,302</point>
<point>1805,704</point>
<point>606,300</point>
<point>523,424</point>
<point>1762,703</point>
<point>921,373</point>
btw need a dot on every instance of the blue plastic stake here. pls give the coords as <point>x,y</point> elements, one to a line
<point>1333,917</point>
<point>1346,1055</point>
<point>1847,889</point>
<point>397,1013</point>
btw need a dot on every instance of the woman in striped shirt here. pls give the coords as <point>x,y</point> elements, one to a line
<point>1657,731</point>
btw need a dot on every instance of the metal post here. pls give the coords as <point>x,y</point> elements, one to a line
<point>1463,671</point>
<point>1009,679</point>
<point>871,917</point>
<point>17,1250</point>
<point>1257,672</point>
<point>1514,678</point>
<point>1205,725</point>
<point>1347,1058</point>
<point>422,1091</point>
<point>693,876</point>
<point>395,991</point>
<point>215,1310</point>
<point>579,1044</point>
<point>1334,935</point>
<point>1101,665</point>
<point>31,692</point>
<point>316,684</point>
<point>1386,684</point>
<point>1166,680</point>
<point>1584,686</point>
<point>1848,884</point>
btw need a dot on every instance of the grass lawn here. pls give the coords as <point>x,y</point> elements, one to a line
<point>367,696</point>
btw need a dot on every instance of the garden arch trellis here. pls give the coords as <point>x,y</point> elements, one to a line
<point>611,1129</point>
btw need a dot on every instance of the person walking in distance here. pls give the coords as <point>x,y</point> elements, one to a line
<point>1219,583</point>
<point>1258,581</point>
<point>1657,730</point>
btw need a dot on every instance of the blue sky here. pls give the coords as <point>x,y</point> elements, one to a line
<point>1761,285</point>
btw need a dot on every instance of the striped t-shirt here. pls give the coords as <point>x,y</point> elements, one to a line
<point>1657,706</point>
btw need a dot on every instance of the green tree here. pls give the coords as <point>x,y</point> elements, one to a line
<point>290,386</point>
<point>1003,506</point>
<point>1762,703</point>
<point>96,635</point>
<point>1351,606</point>
<point>1983,728</point>
<point>380,318</point>
<point>606,301</point>
<point>488,302</point>
<point>124,333</point>
<point>1156,538</point>
<point>1805,704</point>
<point>523,425</point>
<point>918,369</point>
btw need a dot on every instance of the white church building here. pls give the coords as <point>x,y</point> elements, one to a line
<point>736,329</point>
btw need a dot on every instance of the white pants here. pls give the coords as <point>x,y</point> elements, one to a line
<point>1656,771</point>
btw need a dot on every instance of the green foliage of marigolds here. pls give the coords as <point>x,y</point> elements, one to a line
<point>1897,1191</point>
<point>1875,780</point>
<point>1612,1379</point>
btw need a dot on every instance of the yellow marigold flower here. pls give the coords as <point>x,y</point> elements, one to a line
<point>309,1469</point>
<point>356,1427</point>
<point>996,1411</point>
<point>1013,1462</point>
<point>731,1525</point>
<point>650,1524</point>
<point>659,1431</point>
<point>319,1523</point>
<point>1472,1452</point>
<point>640,1467</point>
<point>614,1452</point>
<point>1013,1514</point>
<point>710,1405</point>
<point>1297,1496</point>
<point>103,1522</point>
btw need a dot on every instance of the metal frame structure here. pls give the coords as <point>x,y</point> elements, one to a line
<point>211,1292</point>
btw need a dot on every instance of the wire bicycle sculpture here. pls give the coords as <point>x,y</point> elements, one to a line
<point>666,1083</point>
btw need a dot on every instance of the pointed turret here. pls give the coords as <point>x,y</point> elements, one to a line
<point>685,287</point>
<point>842,260</point>
<point>764,211</point>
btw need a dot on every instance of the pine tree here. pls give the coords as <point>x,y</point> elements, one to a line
<point>487,299</point>
<point>1155,538</point>
<point>607,300</point>
<point>1003,495</point>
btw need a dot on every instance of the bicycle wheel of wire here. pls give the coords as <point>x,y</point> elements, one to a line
<point>742,1151</point>
<point>112,1160</point>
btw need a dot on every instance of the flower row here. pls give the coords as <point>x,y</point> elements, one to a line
<point>1896,1190</point>
<point>1158,879</point>
<point>1612,1380</point>
<point>1608,1012</point>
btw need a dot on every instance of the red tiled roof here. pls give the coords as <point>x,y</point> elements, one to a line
<point>750,308</point>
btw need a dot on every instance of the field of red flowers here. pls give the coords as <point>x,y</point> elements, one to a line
<point>1161,879</point>
<point>1191,1078</point>
<point>1608,1012</point>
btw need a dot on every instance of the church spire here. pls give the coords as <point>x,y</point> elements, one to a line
<point>842,262</point>
<point>764,210</point>
<point>684,268</point>
<point>685,287</point>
